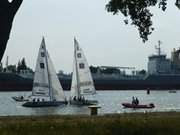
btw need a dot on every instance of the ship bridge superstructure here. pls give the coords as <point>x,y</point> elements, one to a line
<point>159,64</point>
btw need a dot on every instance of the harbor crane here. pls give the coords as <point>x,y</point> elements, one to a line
<point>118,67</point>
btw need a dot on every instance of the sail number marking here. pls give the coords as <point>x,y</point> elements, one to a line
<point>41,85</point>
<point>85,83</point>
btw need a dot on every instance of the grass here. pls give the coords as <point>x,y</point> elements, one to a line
<point>123,124</point>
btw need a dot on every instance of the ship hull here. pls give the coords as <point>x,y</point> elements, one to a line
<point>14,82</point>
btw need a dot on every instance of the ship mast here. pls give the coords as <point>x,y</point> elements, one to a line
<point>159,47</point>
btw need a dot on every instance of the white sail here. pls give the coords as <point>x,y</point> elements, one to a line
<point>82,82</point>
<point>74,88</point>
<point>41,85</point>
<point>46,85</point>
<point>57,91</point>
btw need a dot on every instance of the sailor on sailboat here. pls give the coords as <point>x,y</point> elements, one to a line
<point>82,82</point>
<point>47,90</point>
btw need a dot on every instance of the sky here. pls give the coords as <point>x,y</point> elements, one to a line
<point>104,37</point>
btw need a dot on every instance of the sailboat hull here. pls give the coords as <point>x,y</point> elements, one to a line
<point>83,102</point>
<point>44,104</point>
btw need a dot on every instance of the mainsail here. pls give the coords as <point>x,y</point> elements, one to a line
<point>82,82</point>
<point>46,85</point>
<point>41,84</point>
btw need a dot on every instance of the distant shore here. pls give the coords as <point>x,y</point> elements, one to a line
<point>160,123</point>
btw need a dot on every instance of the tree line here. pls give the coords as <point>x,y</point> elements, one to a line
<point>21,66</point>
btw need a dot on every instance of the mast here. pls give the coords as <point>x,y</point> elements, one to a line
<point>159,48</point>
<point>50,90</point>
<point>76,66</point>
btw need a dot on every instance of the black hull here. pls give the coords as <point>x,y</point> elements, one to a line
<point>83,103</point>
<point>44,104</point>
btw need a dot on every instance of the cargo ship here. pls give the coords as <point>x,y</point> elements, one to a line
<point>162,74</point>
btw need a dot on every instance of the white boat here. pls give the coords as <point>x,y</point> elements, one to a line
<point>82,83</point>
<point>47,90</point>
<point>20,98</point>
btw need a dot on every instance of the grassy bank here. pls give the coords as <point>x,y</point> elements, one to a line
<point>124,124</point>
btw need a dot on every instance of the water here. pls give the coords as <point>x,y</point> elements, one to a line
<point>110,102</point>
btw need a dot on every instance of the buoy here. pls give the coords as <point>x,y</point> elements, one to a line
<point>148,91</point>
<point>94,109</point>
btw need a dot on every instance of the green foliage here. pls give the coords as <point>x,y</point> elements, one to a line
<point>142,72</point>
<point>93,69</point>
<point>124,124</point>
<point>21,65</point>
<point>109,70</point>
<point>11,68</point>
<point>138,12</point>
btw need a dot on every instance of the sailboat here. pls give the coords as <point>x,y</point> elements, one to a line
<point>82,82</point>
<point>47,90</point>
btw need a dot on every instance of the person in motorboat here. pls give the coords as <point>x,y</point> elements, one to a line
<point>137,101</point>
<point>133,100</point>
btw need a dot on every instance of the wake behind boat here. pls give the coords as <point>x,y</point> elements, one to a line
<point>82,82</point>
<point>47,90</point>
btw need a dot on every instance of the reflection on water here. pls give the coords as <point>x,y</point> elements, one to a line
<point>110,101</point>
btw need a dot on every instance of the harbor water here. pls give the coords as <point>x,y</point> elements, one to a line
<point>110,102</point>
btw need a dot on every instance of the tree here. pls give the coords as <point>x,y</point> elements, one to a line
<point>22,65</point>
<point>93,69</point>
<point>138,12</point>
<point>11,68</point>
<point>7,13</point>
<point>142,72</point>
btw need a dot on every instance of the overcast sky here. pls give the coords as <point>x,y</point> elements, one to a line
<point>103,37</point>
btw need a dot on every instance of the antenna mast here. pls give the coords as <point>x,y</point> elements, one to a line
<point>159,47</point>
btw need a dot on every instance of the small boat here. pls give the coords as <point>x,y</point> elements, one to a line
<point>82,82</point>
<point>47,90</point>
<point>139,106</point>
<point>83,102</point>
<point>20,98</point>
<point>148,91</point>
